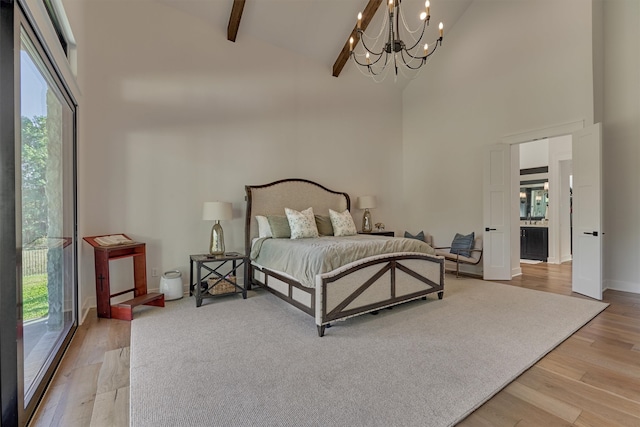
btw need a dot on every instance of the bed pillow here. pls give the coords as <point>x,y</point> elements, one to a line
<point>342,223</point>
<point>323,222</point>
<point>264,229</point>
<point>462,245</point>
<point>279,226</point>
<point>302,224</point>
<point>419,236</point>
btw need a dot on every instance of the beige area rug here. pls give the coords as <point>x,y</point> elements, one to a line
<point>259,361</point>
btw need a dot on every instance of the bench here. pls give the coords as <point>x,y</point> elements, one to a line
<point>474,259</point>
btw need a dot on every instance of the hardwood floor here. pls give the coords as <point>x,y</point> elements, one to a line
<point>592,379</point>
<point>90,376</point>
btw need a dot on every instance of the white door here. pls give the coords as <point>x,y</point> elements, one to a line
<point>587,211</point>
<point>496,203</point>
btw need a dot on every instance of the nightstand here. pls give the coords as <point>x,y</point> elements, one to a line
<point>378,233</point>
<point>212,264</point>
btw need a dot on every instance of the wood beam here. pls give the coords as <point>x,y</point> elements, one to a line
<point>234,19</point>
<point>367,16</point>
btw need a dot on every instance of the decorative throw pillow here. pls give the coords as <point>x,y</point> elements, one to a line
<point>323,222</point>
<point>302,224</point>
<point>462,245</point>
<point>279,226</point>
<point>264,229</point>
<point>419,236</point>
<point>342,223</point>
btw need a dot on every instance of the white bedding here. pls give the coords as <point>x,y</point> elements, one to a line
<point>303,259</point>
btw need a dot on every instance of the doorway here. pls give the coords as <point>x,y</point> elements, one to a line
<point>544,202</point>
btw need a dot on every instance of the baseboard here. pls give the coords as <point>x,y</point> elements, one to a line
<point>87,305</point>
<point>566,258</point>
<point>623,286</point>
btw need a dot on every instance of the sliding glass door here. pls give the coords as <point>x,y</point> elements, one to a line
<point>38,242</point>
<point>47,219</point>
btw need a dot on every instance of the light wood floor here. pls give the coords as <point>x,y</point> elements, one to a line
<point>592,379</point>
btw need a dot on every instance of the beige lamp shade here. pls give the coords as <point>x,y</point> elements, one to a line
<point>366,202</point>
<point>217,211</point>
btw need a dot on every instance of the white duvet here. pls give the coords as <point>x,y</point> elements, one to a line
<point>305,258</point>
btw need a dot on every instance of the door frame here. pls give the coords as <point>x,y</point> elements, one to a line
<point>514,140</point>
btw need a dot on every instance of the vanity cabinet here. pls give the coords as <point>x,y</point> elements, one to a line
<point>534,243</point>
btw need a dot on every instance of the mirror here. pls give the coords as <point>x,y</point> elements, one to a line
<point>534,200</point>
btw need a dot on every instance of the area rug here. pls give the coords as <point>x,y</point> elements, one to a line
<point>259,361</point>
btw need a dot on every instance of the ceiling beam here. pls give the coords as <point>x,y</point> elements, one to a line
<point>234,19</point>
<point>367,16</point>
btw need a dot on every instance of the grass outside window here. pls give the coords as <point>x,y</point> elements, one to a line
<point>35,297</point>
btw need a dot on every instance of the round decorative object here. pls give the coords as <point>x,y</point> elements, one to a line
<point>171,285</point>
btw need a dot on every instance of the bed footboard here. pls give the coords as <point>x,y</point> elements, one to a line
<point>375,283</point>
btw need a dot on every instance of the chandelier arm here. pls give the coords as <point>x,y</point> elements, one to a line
<point>437,43</point>
<point>408,64</point>
<point>406,27</point>
<point>365,46</point>
<point>424,27</point>
<point>382,28</point>
<point>355,58</point>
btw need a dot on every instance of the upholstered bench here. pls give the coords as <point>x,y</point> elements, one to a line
<point>474,258</point>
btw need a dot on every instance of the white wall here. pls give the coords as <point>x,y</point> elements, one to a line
<point>534,154</point>
<point>507,68</point>
<point>176,115</point>
<point>621,147</point>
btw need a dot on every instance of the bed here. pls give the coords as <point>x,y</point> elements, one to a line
<point>363,285</point>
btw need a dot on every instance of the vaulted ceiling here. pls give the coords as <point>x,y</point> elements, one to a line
<point>319,29</point>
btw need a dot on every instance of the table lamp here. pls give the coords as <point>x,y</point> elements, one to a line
<point>217,211</point>
<point>366,203</point>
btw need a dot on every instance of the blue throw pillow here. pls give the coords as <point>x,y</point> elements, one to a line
<point>462,245</point>
<point>419,236</point>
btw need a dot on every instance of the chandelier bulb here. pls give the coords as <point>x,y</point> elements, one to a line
<point>350,44</point>
<point>441,28</point>
<point>423,16</point>
<point>368,58</point>
<point>359,19</point>
<point>390,6</point>
<point>426,49</point>
<point>427,4</point>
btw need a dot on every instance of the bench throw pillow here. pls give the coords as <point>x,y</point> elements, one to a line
<point>419,236</point>
<point>462,245</point>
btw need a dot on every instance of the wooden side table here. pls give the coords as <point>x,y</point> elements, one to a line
<point>123,310</point>
<point>203,262</point>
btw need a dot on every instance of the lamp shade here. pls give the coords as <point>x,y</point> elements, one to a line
<point>366,202</point>
<point>219,211</point>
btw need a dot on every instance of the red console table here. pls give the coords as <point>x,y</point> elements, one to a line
<point>123,310</point>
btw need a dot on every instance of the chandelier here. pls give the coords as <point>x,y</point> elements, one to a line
<point>388,50</point>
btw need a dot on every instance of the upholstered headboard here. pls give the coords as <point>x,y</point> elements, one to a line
<point>298,194</point>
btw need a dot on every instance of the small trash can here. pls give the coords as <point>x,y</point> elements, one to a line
<point>171,285</point>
